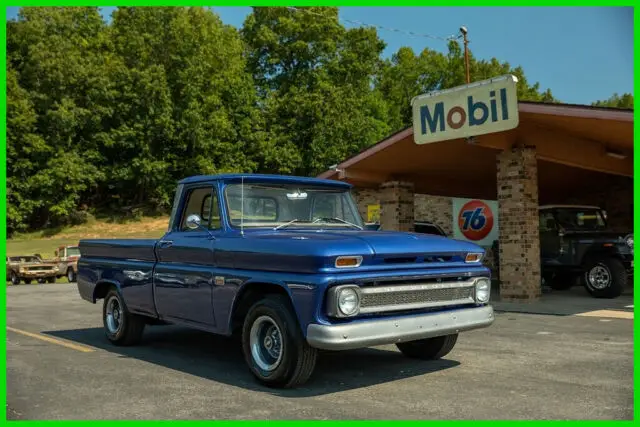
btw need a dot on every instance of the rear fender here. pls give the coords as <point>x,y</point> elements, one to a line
<point>103,286</point>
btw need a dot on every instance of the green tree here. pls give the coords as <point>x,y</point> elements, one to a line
<point>188,77</point>
<point>314,77</point>
<point>624,101</point>
<point>56,81</point>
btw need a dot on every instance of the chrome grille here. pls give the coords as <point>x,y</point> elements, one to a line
<point>376,299</point>
<point>412,297</point>
<point>40,268</point>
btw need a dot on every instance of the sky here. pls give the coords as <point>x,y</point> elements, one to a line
<point>582,54</point>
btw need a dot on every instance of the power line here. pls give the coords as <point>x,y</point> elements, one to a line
<point>380,27</point>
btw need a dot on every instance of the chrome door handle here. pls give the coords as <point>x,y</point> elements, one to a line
<point>165,243</point>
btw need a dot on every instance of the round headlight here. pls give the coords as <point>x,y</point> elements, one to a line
<point>348,301</point>
<point>483,290</point>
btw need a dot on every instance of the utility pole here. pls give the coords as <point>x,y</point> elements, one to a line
<point>463,30</point>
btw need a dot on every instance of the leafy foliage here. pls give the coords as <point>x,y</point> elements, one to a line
<point>107,116</point>
<point>624,101</point>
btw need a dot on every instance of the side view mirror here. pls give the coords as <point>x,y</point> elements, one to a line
<point>193,222</point>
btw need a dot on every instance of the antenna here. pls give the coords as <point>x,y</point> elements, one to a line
<point>242,205</point>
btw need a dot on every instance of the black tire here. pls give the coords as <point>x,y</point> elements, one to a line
<point>15,280</point>
<point>429,348</point>
<point>51,279</point>
<point>71,275</point>
<point>27,281</point>
<point>613,269</point>
<point>296,361</point>
<point>561,281</point>
<point>129,327</point>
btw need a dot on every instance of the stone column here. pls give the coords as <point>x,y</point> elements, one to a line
<point>517,178</point>
<point>396,206</point>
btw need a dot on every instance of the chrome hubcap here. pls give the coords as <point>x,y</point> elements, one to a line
<point>599,277</point>
<point>114,315</point>
<point>265,340</point>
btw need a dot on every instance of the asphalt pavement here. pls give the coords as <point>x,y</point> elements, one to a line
<point>525,366</point>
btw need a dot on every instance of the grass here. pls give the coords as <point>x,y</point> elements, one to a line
<point>46,242</point>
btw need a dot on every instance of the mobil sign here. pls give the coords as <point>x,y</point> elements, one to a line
<point>475,109</point>
<point>475,220</point>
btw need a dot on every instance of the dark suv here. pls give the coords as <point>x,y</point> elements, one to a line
<point>575,241</point>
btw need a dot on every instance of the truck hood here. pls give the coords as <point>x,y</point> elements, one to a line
<point>313,250</point>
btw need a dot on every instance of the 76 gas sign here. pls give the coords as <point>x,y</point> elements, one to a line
<point>475,220</point>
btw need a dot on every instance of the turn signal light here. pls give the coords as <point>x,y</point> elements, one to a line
<point>348,261</point>
<point>473,257</point>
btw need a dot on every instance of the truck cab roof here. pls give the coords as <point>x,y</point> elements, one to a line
<point>273,178</point>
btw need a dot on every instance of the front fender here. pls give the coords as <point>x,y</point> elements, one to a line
<point>302,298</point>
<point>600,252</point>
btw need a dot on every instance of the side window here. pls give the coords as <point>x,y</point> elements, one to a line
<point>547,222</point>
<point>204,203</point>
<point>214,212</point>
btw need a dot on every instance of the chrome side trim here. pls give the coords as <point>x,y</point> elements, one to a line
<point>360,334</point>
<point>137,275</point>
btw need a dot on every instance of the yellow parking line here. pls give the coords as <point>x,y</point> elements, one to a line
<point>614,314</point>
<point>52,340</point>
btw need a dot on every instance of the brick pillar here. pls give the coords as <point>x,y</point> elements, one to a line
<point>396,206</point>
<point>519,225</point>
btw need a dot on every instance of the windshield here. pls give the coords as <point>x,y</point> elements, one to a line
<point>580,219</point>
<point>290,206</point>
<point>73,251</point>
<point>24,259</point>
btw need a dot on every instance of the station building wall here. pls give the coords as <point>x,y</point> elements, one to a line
<point>612,193</point>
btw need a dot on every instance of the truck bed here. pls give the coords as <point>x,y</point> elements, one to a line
<point>127,262</point>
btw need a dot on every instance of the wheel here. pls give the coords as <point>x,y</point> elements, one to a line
<point>561,281</point>
<point>274,348</point>
<point>27,281</point>
<point>605,277</point>
<point>71,275</point>
<point>120,326</point>
<point>51,279</point>
<point>429,348</point>
<point>15,280</point>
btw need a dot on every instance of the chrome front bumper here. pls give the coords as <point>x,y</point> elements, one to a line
<point>390,331</point>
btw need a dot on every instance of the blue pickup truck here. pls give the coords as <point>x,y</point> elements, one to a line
<point>285,264</point>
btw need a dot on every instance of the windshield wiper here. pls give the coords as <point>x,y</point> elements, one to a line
<point>286,224</point>
<point>339,220</point>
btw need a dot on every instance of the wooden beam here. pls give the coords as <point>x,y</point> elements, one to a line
<point>563,148</point>
<point>361,176</point>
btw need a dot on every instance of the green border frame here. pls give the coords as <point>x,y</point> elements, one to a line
<point>396,3</point>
